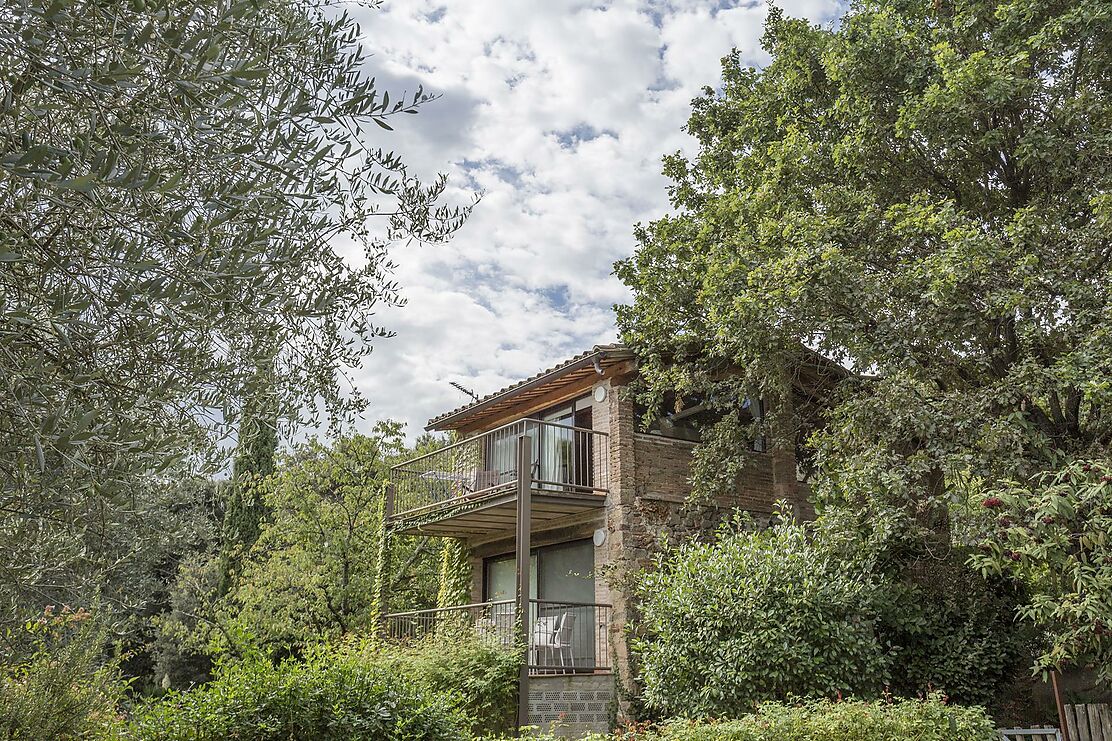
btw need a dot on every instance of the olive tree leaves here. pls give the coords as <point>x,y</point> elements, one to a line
<point>185,188</point>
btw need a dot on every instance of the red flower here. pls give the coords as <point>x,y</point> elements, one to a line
<point>993,502</point>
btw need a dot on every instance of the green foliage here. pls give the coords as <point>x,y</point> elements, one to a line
<point>310,577</point>
<point>256,450</point>
<point>759,615</point>
<point>477,677</point>
<point>929,720</point>
<point>918,192</point>
<point>845,605</point>
<point>135,544</point>
<point>1054,534</point>
<point>332,695</point>
<point>455,574</point>
<point>952,630</point>
<point>181,184</point>
<point>65,689</point>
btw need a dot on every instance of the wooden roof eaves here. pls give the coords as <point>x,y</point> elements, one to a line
<point>586,364</point>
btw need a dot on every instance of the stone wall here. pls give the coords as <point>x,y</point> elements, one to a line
<point>663,470</point>
<point>572,705</point>
<point>648,507</point>
<point>662,513</point>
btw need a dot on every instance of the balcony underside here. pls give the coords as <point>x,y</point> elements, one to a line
<point>495,513</point>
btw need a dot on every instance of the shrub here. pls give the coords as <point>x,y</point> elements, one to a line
<point>758,615</point>
<point>477,678</point>
<point>331,695</point>
<point>824,720</point>
<point>1052,533</point>
<point>849,604</point>
<point>954,631</point>
<point>66,688</point>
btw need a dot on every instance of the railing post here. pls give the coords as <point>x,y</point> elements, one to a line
<point>524,516</point>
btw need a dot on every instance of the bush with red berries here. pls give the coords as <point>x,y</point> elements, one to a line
<point>1055,535</point>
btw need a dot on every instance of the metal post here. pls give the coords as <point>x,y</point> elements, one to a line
<point>524,515</point>
<point>1061,709</point>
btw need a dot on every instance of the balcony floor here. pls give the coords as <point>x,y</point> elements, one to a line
<point>494,513</point>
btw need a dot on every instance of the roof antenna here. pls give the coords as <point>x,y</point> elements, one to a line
<point>464,389</point>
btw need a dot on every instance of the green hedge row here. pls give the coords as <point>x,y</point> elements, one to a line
<point>845,721</point>
<point>327,699</point>
<point>905,720</point>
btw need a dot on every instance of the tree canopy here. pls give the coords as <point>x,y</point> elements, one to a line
<point>182,187</point>
<point>921,194</point>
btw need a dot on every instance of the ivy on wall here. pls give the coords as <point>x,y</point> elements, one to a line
<point>455,574</point>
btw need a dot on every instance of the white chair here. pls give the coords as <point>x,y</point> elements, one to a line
<point>562,640</point>
<point>545,630</point>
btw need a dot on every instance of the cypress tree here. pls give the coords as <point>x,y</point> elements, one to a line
<point>255,458</point>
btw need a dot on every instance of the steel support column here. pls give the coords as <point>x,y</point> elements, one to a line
<point>524,515</point>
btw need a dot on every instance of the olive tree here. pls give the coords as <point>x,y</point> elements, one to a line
<point>187,187</point>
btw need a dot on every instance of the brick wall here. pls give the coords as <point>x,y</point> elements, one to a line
<point>663,469</point>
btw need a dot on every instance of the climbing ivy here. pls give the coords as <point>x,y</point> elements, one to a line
<point>455,574</point>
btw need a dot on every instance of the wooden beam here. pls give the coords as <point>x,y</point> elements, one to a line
<point>562,392</point>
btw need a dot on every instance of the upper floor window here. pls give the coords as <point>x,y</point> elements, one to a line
<point>688,419</point>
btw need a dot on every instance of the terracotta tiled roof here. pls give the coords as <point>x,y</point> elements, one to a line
<point>602,354</point>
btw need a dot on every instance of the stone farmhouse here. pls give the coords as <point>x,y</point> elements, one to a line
<point>559,490</point>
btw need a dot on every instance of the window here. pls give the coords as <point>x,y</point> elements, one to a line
<point>558,573</point>
<point>687,419</point>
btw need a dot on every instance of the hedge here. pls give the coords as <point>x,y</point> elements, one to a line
<point>904,720</point>
<point>931,720</point>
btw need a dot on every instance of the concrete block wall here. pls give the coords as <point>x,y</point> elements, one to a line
<point>570,704</point>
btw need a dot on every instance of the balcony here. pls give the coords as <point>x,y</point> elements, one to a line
<point>471,487</point>
<point>565,637</point>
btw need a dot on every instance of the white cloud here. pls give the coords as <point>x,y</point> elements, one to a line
<point>560,112</point>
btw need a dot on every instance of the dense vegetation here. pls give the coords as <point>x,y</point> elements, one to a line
<point>307,576</point>
<point>177,181</point>
<point>919,193</point>
<point>449,686</point>
<point>819,610</point>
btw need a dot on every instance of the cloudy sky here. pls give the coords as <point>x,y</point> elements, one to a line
<point>559,113</point>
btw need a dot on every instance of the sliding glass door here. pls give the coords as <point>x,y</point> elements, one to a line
<point>562,580</point>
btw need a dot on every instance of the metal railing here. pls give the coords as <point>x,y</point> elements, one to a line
<point>563,459</point>
<point>564,637</point>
